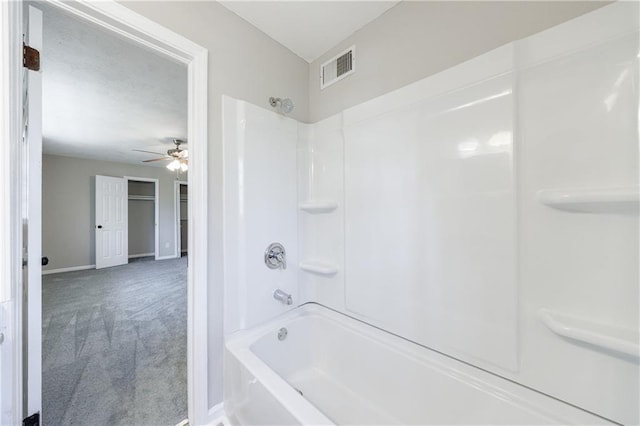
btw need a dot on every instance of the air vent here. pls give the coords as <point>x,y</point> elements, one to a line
<point>337,68</point>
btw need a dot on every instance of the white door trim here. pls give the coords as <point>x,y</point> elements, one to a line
<point>156,210</point>
<point>11,209</point>
<point>176,204</point>
<point>119,19</point>
<point>33,307</point>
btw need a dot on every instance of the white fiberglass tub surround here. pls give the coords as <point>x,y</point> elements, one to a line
<point>488,212</point>
<point>332,369</point>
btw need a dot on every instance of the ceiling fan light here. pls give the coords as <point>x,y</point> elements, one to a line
<point>183,167</point>
<point>174,165</point>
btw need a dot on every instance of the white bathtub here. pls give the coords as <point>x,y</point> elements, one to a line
<point>332,369</point>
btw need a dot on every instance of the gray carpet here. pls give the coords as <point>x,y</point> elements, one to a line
<point>114,348</point>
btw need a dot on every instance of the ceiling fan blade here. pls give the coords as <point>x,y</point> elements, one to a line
<point>149,152</point>
<point>157,159</point>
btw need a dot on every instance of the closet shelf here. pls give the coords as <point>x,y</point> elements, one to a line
<point>318,206</point>
<point>593,200</point>
<point>142,197</point>
<point>616,339</point>
<point>318,267</point>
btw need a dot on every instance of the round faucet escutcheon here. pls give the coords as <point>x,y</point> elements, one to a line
<point>275,257</point>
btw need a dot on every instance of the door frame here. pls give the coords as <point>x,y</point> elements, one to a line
<point>176,203</point>
<point>118,19</point>
<point>156,211</point>
<point>11,207</point>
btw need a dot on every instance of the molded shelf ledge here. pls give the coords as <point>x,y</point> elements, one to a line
<point>593,200</point>
<point>320,268</point>
<point>142,197</point>
<point>319,206</point>
<point>605,336</point>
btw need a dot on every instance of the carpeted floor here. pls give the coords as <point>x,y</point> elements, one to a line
<point>114,348</point>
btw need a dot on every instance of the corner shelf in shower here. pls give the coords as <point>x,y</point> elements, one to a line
<point>318,267</point>
<point>593,200</point>
<point>318,206</point>
<point>142,197</point>
<point>604,336</point>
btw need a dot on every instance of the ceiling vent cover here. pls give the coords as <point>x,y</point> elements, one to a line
<point>337,68</point>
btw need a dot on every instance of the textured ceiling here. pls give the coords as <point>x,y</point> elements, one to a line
<point>309,28</point>
<point>104,96</point>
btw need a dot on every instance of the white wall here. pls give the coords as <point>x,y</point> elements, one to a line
<point>416,39</point>
<point>457,233</point>
<point>260,208</point>
<point>246,64</point>
<point>68,207</point>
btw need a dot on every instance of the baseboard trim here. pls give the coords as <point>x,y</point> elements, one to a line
<point>135,256</point>
<point>171,256</point>
<point>70,269</point>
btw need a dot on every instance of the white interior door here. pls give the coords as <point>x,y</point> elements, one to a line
<point>112,239</point>
<point>32,289</point>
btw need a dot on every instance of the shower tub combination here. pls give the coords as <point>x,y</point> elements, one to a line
<point>458,249</point>
<point>316,366</point>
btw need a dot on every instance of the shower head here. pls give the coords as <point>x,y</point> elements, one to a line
<point>285,106</point>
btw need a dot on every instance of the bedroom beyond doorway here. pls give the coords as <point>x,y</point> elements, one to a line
<point>114,293</point>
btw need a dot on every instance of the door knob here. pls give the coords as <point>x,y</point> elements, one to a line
<point>45,260</point>
<point>99,226</point>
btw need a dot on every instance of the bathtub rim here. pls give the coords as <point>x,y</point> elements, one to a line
<point>240,344</point>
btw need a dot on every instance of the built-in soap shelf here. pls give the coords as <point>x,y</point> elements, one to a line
<point>142,197</point>
<point>318,267</point>
<point>318,206</point>
<point>593,200</point>
<point>616,339</point>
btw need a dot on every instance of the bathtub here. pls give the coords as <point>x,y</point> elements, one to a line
<point>328,368</point>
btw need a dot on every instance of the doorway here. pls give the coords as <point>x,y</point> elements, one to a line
<point>182,214</point>
<point>114,321</point>
<point>142,214</point>
<point>114,18</point>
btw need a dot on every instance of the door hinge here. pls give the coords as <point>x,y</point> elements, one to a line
<point>30,58</point>
<point>32,420</point>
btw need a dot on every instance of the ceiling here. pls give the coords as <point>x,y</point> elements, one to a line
<point>309,28</point>
<point>104,96</point>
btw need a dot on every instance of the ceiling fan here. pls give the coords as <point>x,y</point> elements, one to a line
<point>177,156</point>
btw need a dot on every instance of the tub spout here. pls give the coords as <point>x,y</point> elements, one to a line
<point>283,297</point>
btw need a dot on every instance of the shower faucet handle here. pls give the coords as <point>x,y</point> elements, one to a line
<point>275,256</point>
<point>282,259</point>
